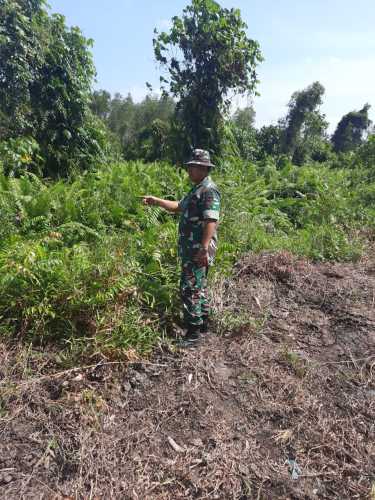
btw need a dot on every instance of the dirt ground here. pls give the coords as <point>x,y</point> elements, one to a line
<point>277,403</point>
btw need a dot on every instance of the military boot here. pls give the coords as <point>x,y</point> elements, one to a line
<point>192,337</point>
<point>205,326</point>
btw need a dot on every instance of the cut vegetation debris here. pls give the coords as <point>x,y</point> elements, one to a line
<point>282,409</point>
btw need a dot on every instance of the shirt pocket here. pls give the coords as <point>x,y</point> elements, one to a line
<point>193,212</point>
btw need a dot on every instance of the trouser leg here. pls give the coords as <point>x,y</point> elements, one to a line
<point>193,289</point>
<point>206,306</point>
<point>205,298</point>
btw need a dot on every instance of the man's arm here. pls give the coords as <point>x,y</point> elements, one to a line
<point>171,206</point>
<point>208,232</point>
<point>201,259</point>
<point>211,208</point>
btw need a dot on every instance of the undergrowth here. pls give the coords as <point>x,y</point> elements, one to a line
<point>85,264</point>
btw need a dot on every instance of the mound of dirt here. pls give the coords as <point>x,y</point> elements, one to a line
<point>277,402</point>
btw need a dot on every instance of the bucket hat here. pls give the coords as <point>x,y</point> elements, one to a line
<point>200,157</point>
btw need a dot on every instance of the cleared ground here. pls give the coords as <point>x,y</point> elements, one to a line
<point>278,402</point>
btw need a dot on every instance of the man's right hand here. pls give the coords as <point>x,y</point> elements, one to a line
<point>171,206</point>
<point>150,200</point>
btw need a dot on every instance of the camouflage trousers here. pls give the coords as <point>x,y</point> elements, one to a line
<point>194,293</point>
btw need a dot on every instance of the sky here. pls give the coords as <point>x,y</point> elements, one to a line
<point>302,41</point>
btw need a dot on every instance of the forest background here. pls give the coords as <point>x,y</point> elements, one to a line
<point>82,262</point>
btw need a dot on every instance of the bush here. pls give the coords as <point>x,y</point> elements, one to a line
<point>20,155</point>
<point>84,259</point>
<point>365,155</point>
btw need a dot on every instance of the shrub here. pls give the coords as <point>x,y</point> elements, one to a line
<point>84,259</point>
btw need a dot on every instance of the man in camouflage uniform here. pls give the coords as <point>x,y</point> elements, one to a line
<point>199,217</point>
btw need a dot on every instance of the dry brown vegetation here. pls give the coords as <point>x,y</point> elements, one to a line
<point>288,382</point>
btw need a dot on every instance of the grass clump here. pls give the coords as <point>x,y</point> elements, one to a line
<point>294,361</point>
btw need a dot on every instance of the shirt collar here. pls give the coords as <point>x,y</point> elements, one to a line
<point>203,182</point>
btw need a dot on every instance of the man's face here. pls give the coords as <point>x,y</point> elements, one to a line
<point>197,173</point>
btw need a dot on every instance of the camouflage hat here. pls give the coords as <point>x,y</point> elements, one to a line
<point>200,157</point>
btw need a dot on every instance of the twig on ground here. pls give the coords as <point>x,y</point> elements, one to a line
<point>175,446</point>
<point>79,368</point>
<point>352,360</point>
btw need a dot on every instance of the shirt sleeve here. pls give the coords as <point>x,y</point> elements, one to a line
<point>211,204</point>
<point>182,203</point>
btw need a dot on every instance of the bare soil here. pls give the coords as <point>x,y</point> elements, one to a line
<point>277,403</point>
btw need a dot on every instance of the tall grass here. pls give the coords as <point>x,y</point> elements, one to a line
<point>85,263</point>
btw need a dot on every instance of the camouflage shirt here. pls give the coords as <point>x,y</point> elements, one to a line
<point>200,204</point>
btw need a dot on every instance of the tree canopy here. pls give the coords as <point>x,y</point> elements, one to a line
<point>350,130</point>
<point>207,55</point>
<point>244,117</point>
<point>142,129</point>
<point>46,71</point>
<point>301,105</point>
<point>52,122</point>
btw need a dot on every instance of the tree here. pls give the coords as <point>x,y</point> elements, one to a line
<point>46,71</point>
<point>141,128</point>
<point>21,57</point>
<point>366,153</point>
<point>243,133</point>
<point>302,105</point>
<point>152,141</point>
<point>351,129</point>
<point>269,140</point>
<point>313,142</point>
<point>207,55</point>
<point>121,115</point>
<point>244,118</point>
<point>101,103</point>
